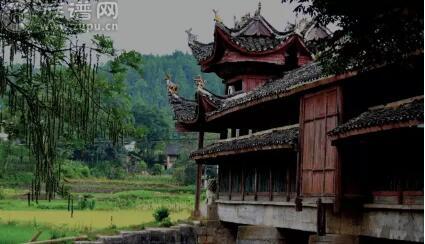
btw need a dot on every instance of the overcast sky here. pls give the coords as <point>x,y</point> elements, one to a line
<point>158,26</point>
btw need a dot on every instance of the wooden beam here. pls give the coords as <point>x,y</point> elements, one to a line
<point>197,212</point>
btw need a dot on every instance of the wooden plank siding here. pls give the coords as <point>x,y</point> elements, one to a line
<point>320,113</point>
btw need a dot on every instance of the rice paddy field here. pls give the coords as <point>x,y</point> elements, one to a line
<point>117,204</point>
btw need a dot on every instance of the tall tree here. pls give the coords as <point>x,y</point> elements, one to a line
<point>49,82</point>
<point>369,32</point>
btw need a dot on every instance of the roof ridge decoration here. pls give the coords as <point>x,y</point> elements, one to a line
<point>191,38</point>
<point>258,12</point>
<point>200,82</point>
<point>217,17</point>
<point>171,86</point>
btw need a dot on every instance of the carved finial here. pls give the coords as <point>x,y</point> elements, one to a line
<point>171,86</point>
<point>235,20</point>
<point>258,12</point>
<point>217,17</point>
<point>200,83</point>
<point>191,38</point>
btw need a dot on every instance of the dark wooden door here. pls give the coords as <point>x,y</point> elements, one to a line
<point>319,160</point>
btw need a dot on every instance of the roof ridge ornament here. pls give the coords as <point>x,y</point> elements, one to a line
<point>258,12</point>
<point>200,82</point>
<point>191,38</point>
<point>171,86</point>
<point>217,17</point>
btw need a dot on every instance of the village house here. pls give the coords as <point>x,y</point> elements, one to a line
<point>172,154</point>
<point>318,157</point>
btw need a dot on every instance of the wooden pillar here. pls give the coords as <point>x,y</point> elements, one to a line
<point>256,184</point>
<point>270,185</point>
<point>288,184</point>
<point>243,184</point>
<point>230,183</point>
<point>197,212</point>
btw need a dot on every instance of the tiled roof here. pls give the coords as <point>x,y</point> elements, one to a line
<point>285,137</point>
<point>184,110</point>
<point>288,81</point>
<point>201,51</point>
<point>412,110</point>
<point>258,43</point>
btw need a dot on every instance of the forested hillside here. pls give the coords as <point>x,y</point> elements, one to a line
<point>151,89</point>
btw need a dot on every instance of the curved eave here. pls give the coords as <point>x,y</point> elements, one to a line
<point>185,111</point>
<point>274,139</point>
<point>190,114</point>
<point>221,35</point>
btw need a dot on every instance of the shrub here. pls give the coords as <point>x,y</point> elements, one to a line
<point>74,170</point>
<point>143,166</point>
<point>157,169</point>
<point>166,222</point>
<point>185,174</point>
<point>161,213</point>
<point>86,203</point>
<point>2,194</point>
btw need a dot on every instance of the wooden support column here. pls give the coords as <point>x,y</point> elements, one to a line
<point>243,185</point>
<point>270,185</point>
<point>230,183</point>
<point>197,212</point>
<point>256,185</point>
<point>298,179</point>
<point>288,184</point>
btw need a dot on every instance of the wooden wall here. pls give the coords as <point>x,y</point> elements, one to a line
<point>320,113</point>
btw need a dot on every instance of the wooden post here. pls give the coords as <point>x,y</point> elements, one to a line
<point>243,184</point>
<point>197,212</point>
<point>72,207</point>
<point>288,184</point>
<point>69,202</point>
<point>256,184</point>
<point>29,198</point>
<point>321,218</point>
<point>270,185</point>
<point>230,183</point>
<point>32,190</point>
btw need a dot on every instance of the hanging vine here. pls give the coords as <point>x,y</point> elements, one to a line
<point>50,83</point>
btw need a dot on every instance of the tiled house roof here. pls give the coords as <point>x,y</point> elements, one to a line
<point>404,111</point>
<point>285,137</point>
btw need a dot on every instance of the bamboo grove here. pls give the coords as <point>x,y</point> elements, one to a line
<point>50,84</point>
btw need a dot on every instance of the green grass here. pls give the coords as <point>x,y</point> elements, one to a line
<point>120,204</point>
<point>13,232</point>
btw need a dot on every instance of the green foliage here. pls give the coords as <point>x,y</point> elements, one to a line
<point>104,44</point>
<point>382,32</point>
<point>74,170</point>
<point>185,174</point>
<point>157,169</point>
<point>161,213</point>
<point>86,202</point>
<point>2,194</point>
<point>143,166</point>
<point>166,222</point>
<point>109,169</point>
